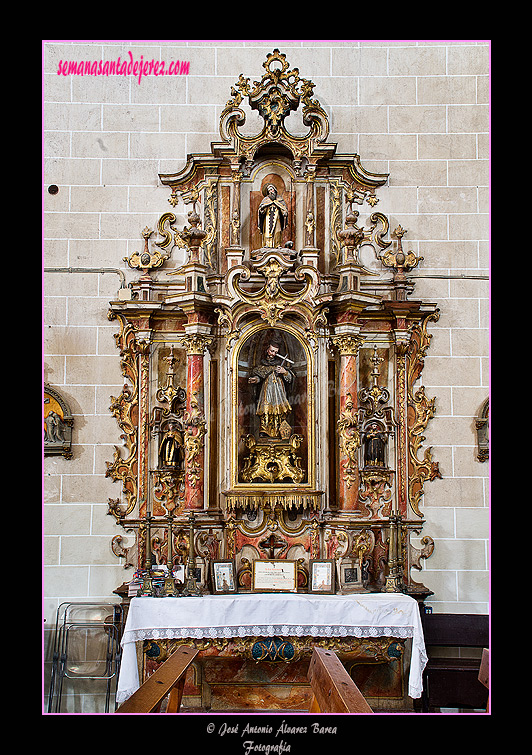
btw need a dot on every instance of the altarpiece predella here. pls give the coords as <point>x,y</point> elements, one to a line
<point>272,408</point>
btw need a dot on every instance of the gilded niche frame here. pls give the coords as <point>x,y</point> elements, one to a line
<point>253,466</point>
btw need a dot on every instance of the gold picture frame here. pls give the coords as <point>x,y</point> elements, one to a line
<point>223,577</point>
<point>274,575</point>
<point>322,577</point>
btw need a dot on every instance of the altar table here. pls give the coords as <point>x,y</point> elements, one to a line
<point>269,615</point>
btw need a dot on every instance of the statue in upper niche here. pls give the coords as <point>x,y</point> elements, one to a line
<point>273,214</point>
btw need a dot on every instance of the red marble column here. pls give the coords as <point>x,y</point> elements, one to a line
<point>195,426</point>
<point>348,345</point>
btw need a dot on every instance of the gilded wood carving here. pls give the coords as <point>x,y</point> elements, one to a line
<point>273,376</point>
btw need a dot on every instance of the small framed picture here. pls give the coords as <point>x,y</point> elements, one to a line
<point>274,575</point>
<point>223,577</point>
<point>350,576</point>
<point>322,576</point>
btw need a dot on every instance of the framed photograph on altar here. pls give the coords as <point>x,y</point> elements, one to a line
<point>178,573</point>
<point>274,575</point>
<point>350,576</point>
<point>223,577</point>
<point>321,576</point>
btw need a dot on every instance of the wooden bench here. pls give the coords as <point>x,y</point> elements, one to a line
<point>484,672</point>
<point>454,682</point>
<point>333,690</point>
<point>168,679</point>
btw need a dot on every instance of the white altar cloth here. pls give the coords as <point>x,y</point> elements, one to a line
<point>268,615</point>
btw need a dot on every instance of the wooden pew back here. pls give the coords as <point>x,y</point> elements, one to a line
<point>168,679</point>
<point>333,690</point>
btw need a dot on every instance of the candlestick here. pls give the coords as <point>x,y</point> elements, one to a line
<point>147,584</point>
<point>169,589</point>
<point>394,580</point>
<point>191,586</point>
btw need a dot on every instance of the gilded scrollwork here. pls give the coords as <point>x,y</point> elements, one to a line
<point>272,300</point>
<point>336,543</point>
<point>349,440</point>
<point>421,410</point>
<point>279,92</point>
<point>426,551</point>
<point>125,409</point>
<point>169,489</point>
<point>374,650</point>
<point>210,200</point>
<point>323,473</point>
<point>376,492</point>
<point>171,236</point>
<point>336,221</point>
<point>482,428</point>
<point>195,431</point>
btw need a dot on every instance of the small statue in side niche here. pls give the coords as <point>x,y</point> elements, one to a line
<point>171,446</point>
<point>374,445</point>
<point>272,217</point>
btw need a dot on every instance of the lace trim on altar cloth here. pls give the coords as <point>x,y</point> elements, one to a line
<point>270,630</point>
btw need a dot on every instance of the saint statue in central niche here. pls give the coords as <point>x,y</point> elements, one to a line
<point>272,217</point>
<point>273,407</point>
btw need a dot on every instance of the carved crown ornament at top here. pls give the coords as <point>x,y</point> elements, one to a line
<point>278,92</point>
<point>275,96</point>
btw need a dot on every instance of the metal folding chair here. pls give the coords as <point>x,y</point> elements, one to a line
<point>86,646</point>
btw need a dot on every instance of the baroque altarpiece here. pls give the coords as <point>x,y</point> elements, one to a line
<point>273,407</point>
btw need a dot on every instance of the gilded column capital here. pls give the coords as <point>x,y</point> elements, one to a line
<point>142,346</point>
<point>196,343</point>
<point>347,344</point>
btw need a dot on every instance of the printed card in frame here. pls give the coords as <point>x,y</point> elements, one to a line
<point>321,576</point>
<point>274,575</point>
<point>223,577</point>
